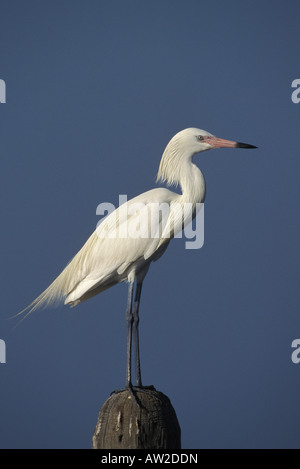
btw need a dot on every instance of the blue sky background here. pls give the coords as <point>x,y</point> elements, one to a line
<point>95,90</point>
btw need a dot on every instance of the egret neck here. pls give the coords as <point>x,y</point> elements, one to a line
<point>192,183</point>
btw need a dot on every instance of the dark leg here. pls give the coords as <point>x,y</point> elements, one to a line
<point>132,320</point>
<point>129,321</point>
<point>136,334</point>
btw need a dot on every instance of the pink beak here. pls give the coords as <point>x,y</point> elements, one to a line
<point>216,142</point>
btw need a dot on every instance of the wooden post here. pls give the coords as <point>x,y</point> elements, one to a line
<point>123,424</point>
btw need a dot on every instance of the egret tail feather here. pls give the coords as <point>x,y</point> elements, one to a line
<point>51,295</point>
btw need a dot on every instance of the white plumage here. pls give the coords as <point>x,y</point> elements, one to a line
<point>111,255</point>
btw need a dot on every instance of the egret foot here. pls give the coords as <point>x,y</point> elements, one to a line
<point>133,390</point>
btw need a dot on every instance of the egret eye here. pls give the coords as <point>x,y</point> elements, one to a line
<point>200,137</point>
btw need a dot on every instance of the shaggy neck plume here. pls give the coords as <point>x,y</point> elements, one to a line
<point>176,167</point>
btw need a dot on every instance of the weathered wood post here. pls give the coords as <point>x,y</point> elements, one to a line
<point>149,423</point>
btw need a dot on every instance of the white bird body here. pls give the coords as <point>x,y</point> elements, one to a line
<point>108,258</point>
<point>126,242</point>
<point>111,255</point>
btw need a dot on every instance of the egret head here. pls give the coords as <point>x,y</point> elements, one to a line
<point>184,145</point>
<point>194,141</point>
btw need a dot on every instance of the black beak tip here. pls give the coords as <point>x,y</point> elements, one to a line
<point>244,145</point>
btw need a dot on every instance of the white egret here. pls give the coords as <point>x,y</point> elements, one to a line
<point>109,257</point>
